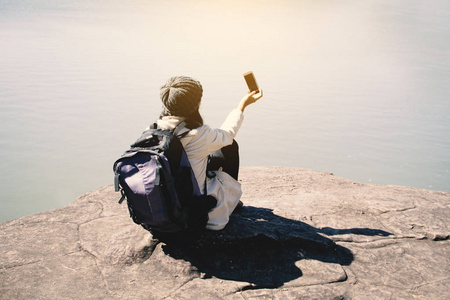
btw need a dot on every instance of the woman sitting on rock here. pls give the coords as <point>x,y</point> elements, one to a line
<point>210,151</point>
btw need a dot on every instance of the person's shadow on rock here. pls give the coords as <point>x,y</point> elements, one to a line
<point>262,248</point>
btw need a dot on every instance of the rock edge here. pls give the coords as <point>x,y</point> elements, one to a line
<point>301,234</point>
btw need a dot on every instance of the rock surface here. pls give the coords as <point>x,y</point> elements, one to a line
<point>302,234</point>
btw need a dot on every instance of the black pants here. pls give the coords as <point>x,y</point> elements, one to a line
<point>226,158</point>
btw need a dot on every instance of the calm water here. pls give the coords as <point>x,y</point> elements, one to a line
<point>357,88</point>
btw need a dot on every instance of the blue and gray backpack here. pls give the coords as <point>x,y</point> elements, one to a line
<point>156,179</point>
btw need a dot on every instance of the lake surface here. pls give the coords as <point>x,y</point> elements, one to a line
<point>357,88</point>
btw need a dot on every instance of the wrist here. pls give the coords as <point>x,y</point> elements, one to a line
<point>241,106</point>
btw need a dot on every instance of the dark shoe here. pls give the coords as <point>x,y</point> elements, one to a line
<point>238,206</point>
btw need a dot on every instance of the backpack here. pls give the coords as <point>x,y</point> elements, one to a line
<point>157,180</point>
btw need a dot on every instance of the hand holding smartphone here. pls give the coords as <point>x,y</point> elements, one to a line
<point>255,92</point>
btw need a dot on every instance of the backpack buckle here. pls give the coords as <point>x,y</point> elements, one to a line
<point>123,196</point>
<point>116,183</point>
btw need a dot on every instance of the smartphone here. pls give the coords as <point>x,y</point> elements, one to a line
<point>251,81</point>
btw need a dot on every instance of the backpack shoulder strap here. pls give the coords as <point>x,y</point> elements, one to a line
<point>180,127</point>
<point>176,131</point>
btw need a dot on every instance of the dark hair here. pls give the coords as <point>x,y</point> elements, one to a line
<point>193,121</point>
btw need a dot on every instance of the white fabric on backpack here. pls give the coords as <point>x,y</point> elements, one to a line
<point>227,191</point>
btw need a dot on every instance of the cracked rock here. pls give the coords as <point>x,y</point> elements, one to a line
<point>301,234</point>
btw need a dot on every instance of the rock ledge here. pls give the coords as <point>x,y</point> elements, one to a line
<point>301,234</point>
